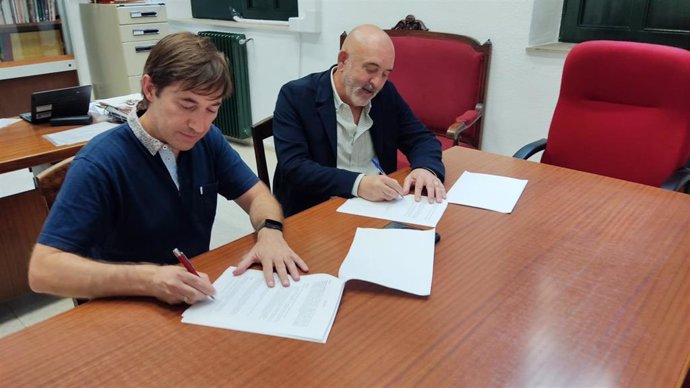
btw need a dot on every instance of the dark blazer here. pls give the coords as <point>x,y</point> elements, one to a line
<point>305,135</point>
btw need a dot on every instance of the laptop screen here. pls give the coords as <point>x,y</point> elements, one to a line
<point>56,103</point>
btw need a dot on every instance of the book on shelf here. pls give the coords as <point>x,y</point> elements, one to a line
<point>401,259</point>
<point>28,11</point>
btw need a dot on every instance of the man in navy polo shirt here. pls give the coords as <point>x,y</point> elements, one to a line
<point>138,191</point>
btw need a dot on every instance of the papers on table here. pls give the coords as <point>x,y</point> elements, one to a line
<point>15,182</point>
<point>402,259</point>
<point>401,210</point>
<point>122,103</point>
<point>8,122</point>
<point>78,135</point>
<point>397,258</point>
<point>486,191</point>
<point>305,310</point>
<point>127,100</point>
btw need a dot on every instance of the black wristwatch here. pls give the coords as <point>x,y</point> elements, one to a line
<point>271,224</point>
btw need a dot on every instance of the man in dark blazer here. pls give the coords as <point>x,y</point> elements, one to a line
<point>337,133</point>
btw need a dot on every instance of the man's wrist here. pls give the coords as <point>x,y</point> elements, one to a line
<point>270,224</point>
<point>355,186</point>
<point>430,170</point>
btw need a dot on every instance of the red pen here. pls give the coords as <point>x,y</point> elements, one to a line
<point>187,264</point>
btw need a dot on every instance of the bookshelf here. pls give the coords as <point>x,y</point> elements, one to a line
<point>30,29</point>
<point>33,53</point>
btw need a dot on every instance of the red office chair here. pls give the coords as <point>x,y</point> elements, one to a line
<point>623,112</point>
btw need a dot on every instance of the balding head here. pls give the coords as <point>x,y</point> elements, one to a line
<point>369,37</point>
<point>364,62</point>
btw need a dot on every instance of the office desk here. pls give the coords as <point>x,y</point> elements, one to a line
<point>585,284</point>
<point>21,216</point>
<point>23,146</point>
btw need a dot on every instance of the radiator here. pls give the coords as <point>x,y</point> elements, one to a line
<point>235,113</point>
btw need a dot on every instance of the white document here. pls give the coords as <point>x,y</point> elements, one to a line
<point>401,210</point>
<point>8,122</point>
<point>15,182</point>
<point>305,310</point>
<point>397,258</point>
<point>492,192</point>
<point>127,100</point>
<point>80,134</point>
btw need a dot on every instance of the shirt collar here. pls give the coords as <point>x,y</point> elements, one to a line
<point>336,98</point>
<point>151,144</point>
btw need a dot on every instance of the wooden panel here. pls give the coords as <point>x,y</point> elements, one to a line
<point>21,218</point>
<point>585,284</point>
<point>16,92</point>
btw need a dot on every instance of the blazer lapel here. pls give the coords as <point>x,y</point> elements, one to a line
<point>326,109</point>
<point>376,131</point>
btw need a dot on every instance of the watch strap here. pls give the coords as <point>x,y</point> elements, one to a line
<point>271,224</point>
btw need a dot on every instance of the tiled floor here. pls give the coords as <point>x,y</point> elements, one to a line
<point>231,223</point>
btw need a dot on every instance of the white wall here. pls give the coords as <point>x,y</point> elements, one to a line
<point>523,85</point>
<point>273,58</point>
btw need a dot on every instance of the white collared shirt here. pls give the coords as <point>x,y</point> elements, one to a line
<point>355,149</point>
<point>154,146</point>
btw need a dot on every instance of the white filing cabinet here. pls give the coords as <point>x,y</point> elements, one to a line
<point>118,40</point>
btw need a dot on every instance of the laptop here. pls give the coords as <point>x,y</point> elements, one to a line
<point>58,103</point>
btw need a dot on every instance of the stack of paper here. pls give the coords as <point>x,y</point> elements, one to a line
<point>8,122</point>
<point>486,191</point>
<point>402,259</point>
<point>79,135</point>
<point>401,210</point>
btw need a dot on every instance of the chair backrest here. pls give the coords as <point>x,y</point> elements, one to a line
<point>441,76</point>
<point>623,111</point>
<point>48,183</point>
<point>260,131</point>
<point>50,180</point>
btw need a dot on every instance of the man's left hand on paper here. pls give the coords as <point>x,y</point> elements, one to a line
<point>422,178</point>
<point>272,251</point>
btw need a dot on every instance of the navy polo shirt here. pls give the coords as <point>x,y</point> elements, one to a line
<point>118,202</point>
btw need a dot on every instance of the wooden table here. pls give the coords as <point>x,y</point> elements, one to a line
<point>21,216</point>
<point>586,283</point>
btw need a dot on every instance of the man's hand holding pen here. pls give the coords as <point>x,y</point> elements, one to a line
<point>379,188</point>
<point>174,284</point>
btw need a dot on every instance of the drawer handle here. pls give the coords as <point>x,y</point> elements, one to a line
<point>141,49</point>
<point>149,31</point>
<point>142,14</point>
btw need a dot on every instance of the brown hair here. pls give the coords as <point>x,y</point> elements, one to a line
<point>191,60</point>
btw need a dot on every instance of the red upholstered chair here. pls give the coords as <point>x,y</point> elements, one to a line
<point>623,112</point>
<point>443,79</point>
